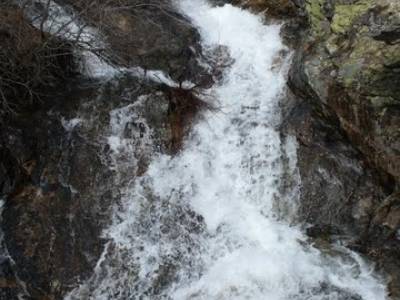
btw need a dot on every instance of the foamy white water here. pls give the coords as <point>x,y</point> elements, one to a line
<point>204,224</point>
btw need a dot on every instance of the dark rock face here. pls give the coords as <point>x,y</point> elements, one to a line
<point>171,47</point>
<point>342,196</point>
<point>355,77</point>
<point>55,174</point>
<point>31,61</point>
<point>334,178</point>
<point>51,223</point>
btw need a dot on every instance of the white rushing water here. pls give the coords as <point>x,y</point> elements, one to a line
<point>203,224</point>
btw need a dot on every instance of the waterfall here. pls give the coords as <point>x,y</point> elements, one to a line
<point>204,224</point>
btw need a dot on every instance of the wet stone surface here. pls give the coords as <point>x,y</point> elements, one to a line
<point>59,175</point>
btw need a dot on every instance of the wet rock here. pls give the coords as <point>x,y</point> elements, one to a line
<point>337,189</point>
<point>342,197</point>
<point>387,215</point>
<point>354,77</point>
<point>65,193</point>
<point>9,288</point>
<point>275,8</point>
<point>56,168</point>
<point>146,34</point>
<point>290,13</point>
<point>48,228</point>
<point>339,293</point>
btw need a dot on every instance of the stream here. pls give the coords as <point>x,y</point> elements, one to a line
<point>213,221</point>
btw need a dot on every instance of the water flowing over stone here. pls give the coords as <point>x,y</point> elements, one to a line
<point>208,223</point>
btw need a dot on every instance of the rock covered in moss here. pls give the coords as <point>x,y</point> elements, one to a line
<point>347,69</point>
<point>352,64</point>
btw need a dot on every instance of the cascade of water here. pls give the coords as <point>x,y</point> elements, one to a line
<point>203,224</point>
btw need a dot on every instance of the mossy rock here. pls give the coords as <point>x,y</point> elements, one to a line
<point>317,18</point>
<point>346,14</point>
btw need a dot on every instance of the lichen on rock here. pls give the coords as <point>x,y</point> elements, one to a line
<point>346,14</point>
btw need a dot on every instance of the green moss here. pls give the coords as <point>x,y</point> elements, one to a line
<point>314,8</point>
<point>375,52</point>
<point>346,14</point>
<point>367,65</point>
<point>365,47</point>
<point>316,15</point>
<point>331,44</point>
